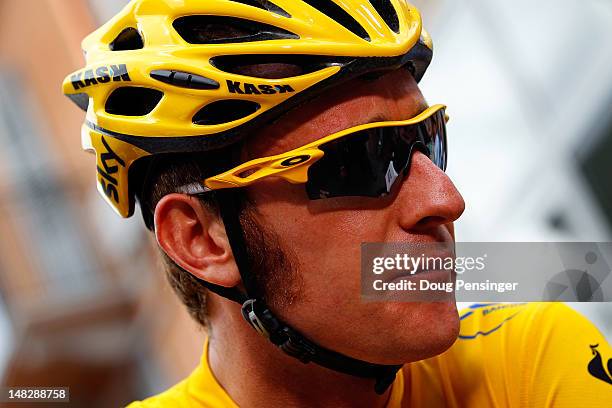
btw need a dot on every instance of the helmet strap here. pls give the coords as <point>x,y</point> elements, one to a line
<point>263,320</point>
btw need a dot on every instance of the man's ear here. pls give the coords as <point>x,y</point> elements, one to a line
<point>195,239</point>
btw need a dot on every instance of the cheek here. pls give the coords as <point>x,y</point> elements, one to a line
<point>326,243</point>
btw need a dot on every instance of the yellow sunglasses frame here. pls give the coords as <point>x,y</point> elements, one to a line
<point>293,165</point>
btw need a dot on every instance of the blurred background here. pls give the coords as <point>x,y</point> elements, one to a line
<point>83,302</point>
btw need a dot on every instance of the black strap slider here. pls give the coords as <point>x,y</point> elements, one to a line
<point>297,346</point>
<point>257,314</point>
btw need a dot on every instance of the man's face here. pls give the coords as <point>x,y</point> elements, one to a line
<point>323,237</point>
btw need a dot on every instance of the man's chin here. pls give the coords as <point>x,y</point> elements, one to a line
<point>428,329</point>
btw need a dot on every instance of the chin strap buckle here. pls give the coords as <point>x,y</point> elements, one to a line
<point>257,314</point>
<point>297,346</point>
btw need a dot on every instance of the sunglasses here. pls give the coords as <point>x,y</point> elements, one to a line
<point>365,160</point>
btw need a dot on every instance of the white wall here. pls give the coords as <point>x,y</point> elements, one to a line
<point>526,83</point>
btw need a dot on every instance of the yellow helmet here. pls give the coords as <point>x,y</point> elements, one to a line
<point>172,76</point>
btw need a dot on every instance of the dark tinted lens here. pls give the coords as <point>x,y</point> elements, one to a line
<point>434,137</point>
<point>368,163</point>
<point>354,165</point>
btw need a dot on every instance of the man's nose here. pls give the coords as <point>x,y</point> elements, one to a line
<point>427,197</point>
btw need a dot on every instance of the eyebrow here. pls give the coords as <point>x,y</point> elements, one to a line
<point>379,117</point>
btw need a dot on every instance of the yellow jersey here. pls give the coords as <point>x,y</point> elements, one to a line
<point>507,355</point>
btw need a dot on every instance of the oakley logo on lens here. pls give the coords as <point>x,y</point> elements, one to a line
<point>292,161</point>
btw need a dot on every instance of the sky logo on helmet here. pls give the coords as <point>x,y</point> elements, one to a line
<point>249,89</point>
<point>107,180</point>
<point>101,75</point>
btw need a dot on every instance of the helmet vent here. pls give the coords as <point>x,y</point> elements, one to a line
<point>223,30</point>
<point>387,12</point>
<point>128,39</point>
<point>265,5</point>
<point>225,111</point>
<point>337,13</point>
<point>274,66</point>
<point>132,101</point>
